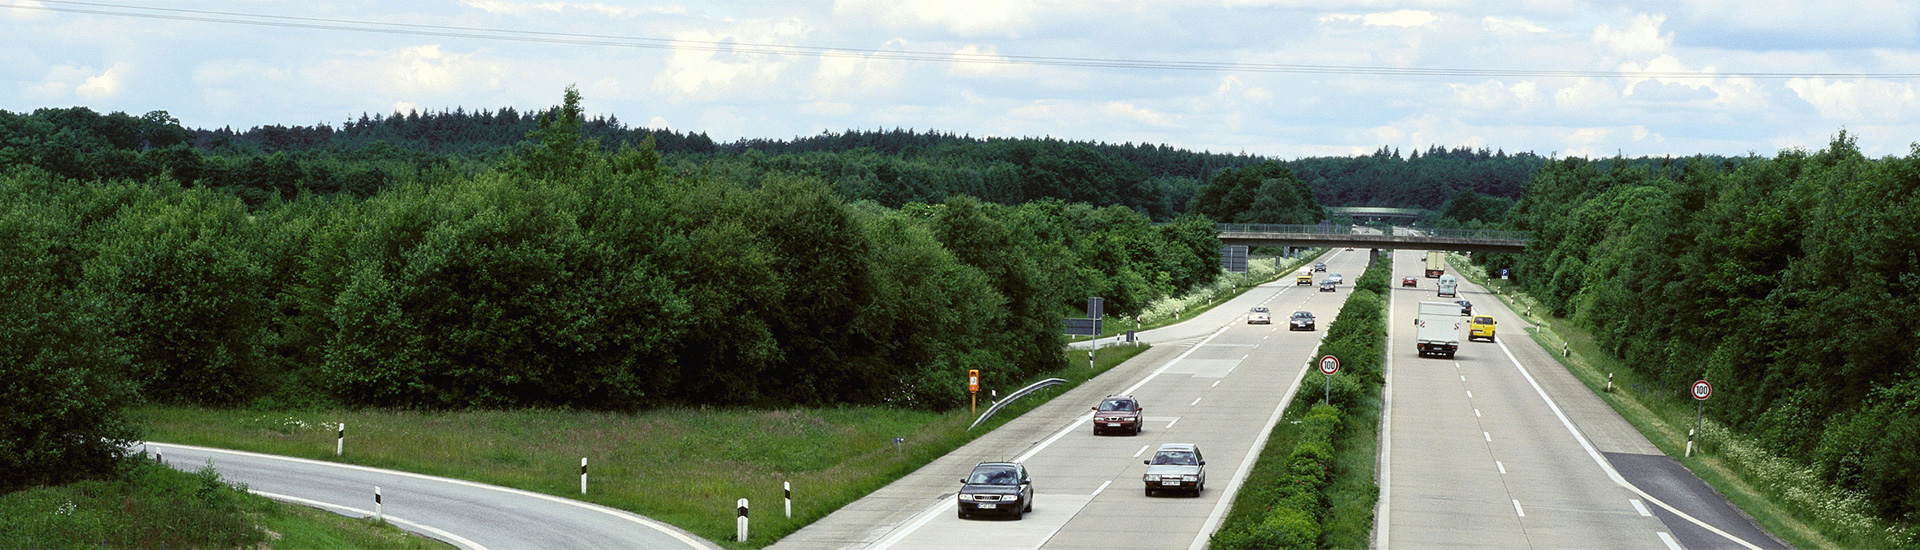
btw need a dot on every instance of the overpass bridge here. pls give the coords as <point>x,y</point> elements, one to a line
<point>1375,213</point>
<point>1326,236</point>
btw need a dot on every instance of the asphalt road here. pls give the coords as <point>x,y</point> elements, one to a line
<point>1502,447</point>
<point>1214,381</point>
<point>463,513</point>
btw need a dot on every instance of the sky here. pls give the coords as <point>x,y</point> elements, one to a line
<point>1278,78</point>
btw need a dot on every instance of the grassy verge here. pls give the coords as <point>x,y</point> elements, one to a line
<point>1313,485</point>
<point>832,456</point>
<point>154,506</point>
<point>1783,498</point>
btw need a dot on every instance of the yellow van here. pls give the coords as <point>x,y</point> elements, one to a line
<point>1482,327</point>
<point>1305,278</point>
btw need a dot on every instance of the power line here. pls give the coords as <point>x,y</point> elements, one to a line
<point>515,35</point>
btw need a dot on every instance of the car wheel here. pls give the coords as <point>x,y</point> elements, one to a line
<point>1029,505</point>
<point>1489,338</point>
<point>1136,429</point>
<point>1149,491</point>
<point>1017,514</point>
<point>963,513</point>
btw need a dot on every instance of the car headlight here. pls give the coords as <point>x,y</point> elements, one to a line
<point>1153,477</point>
<point>1189,478</point>
<point>967,497</point>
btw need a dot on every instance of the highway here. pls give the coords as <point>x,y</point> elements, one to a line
<point>1501,447</point>
<point>1214,381</point>
<point>462,513</point>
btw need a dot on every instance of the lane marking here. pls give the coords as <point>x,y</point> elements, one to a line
<point>417,527</point>
<point>1246,465</point>
<point>1216,383</point>
<point>1517,510</point>
<point>1103,487</point>
<point>1143,448</point>
<point>620,514</point>
<point>1639,507</point>
<point>1196,401</point>
<point>1503,467</point>
<point>1382,508</point>
<point>1469,394</point>
<point>1171,422</point>
<point>1488,436</point>
<point>1671,544</point>
<point>1463,378</point>
<point>1602,461</point>
<point>915,524</point>
<point>1476,413</point>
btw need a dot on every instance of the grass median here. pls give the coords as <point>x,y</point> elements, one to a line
<point>1781,497</point>
<point>682,466</point>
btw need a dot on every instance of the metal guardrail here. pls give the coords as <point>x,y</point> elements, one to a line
<point>1037,386</point>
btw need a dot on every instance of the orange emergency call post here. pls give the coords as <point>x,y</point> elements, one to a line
<point>973,388</point>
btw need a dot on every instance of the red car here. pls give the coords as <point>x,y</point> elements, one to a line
<point>1409,281</point>
<point>1118,413</point>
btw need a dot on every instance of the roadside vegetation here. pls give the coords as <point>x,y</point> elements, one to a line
<point>831,455</point>
<point>1786,282</point>
<point>152,506</point>
<point>1313,485</point>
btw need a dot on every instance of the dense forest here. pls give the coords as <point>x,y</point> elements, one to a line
<point>1791,283</point>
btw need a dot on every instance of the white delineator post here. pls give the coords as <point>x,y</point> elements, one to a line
<point>741,532</point>
<point>786,487</point>
<point>377,513</point>
<point>583,475</point>
<point>340,445</point>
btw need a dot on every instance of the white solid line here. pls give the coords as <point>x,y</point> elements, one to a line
<point>1246,465</point>
<point>1671,544</point>
<point>1502,467</point>
<point>1517,510</point>
<point>1385,468</point>
<point>1602,461</point>
<point>1638,507</point>
<point>617,513</point>
<point>1170,422</point>
<point>1196,401</point>
<point>434,532</point>
<point>1244,357</point>
<point>1488,435</point>
<point>1103,487</point>
<point>915,524</point>
<point>1143,448</point>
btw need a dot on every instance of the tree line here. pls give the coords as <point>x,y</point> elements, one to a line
<point>1788,282</point>
<point>568,274</point>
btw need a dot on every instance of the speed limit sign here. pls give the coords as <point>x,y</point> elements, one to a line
<point>1702,390</point>
<point>1329,365</point>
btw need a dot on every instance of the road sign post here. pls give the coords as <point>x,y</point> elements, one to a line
<point>1701,391</point>
<point>1328,366</point>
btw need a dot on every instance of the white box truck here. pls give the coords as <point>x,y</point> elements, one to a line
<point>1439,324</point>
<point>1449,286</point>
<point>1436,264</point>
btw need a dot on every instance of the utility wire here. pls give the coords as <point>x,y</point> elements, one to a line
<point>515,35</point>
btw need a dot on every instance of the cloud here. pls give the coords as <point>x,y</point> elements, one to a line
<point>517,9</point>
<point>1669,92</point>
<point>706,74</point>
<point>62,81</point>
<point>975,18</point>
<point>984,62</point>
<point>412,71</point>
<point>1515,25</point>
<point>25,10</point>
<point>1850,100</point>
<point>1494,95</point>
<point>1400,18</point>
<point>861,76</point>
<point>1641,36</point>
<point>1129,111</point>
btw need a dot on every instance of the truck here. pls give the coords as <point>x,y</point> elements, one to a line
<point>1449,287</point>
<point>1436,264</point>
<point>1439,329</point>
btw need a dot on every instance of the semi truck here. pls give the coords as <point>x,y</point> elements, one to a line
<point>1436,264</point>
<point>1439,324</point>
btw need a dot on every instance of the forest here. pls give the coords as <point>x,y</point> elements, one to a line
<point>1791,283</point>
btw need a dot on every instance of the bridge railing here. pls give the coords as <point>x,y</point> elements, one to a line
<point>1294,229</point>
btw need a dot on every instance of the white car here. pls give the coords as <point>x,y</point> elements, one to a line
<point>1260,316</point>
<point>1336,278</point>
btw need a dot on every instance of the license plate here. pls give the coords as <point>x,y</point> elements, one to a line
<point>989,506</point>
<point>1171,483</point>
<point>1113,424</point>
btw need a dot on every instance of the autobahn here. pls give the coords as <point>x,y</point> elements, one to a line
<point>1214,381</point>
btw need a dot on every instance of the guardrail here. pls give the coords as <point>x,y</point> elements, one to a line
<point>1037,386</point>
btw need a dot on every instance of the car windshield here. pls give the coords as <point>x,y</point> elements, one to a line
<point>1259,310</point>
<point>1302,315</point>
<point>1116,405</point>
<point>1176,458</point>
<point>993,476</point>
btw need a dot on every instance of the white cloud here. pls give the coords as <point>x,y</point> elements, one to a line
<point>844,77</point>
<point>26,10</point>
<point>62,81</point>
<point>413,71</point>
<point>1399,18</point>
<point>1641,36</point>
<point>1514,25</point>
<point>974,18</point>
<point>984,61</point>
<point>1850,100</point>
<point>704,75</point>
<point>1581,142</point>
<point>1135,113</point>
<point>502,7</point>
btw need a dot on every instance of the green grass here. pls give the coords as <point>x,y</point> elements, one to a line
<point>153,506</point>
<point>832,456</point>
<point>1665,414</point>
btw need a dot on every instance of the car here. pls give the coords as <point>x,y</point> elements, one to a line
<point>1259,316</point>
<point>1176,467</point>
<point>1466,307</point>
<point>1336,278</point>
<point>996,488</point>
<point>1302,320</point>
<point>1409,281</point>
<point>1117,413</point>
<point>1322,266</point>
<point>1328,286</point>
<point>1481,327</point>
<point>1305,278</point>
<point>1349,249</point>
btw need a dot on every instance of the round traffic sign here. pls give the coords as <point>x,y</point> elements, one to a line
<point>1329,365</point>
<point>1702,390</point>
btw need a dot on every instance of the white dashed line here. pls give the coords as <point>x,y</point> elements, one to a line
<point>1469,394</point>
<point>1216,383</point>
<point>1103,487</point>
<point>1476,413</point>
<point>1170,422</point>
<point>1143,448</point>
<point>1671,544</point>
<point>1517,510</point>
<point>1196,401</point>
<point>1488,436</point>
<point>1463,379</point>
<point>1639,507</point>
<point>1502,467</point>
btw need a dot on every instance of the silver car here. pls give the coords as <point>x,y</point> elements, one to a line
<point>1177,467</point>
